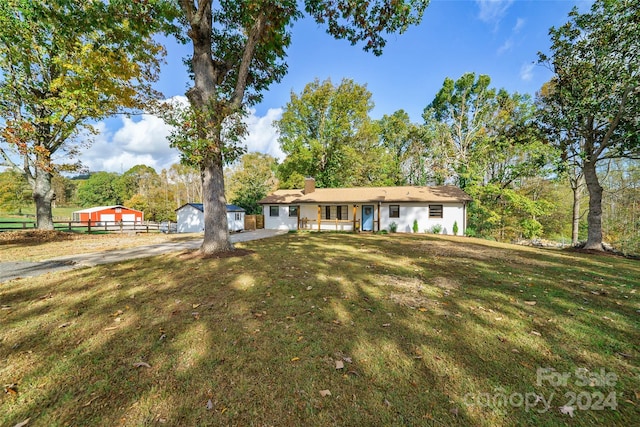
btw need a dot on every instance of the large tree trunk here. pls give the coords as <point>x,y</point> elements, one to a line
<point>594,218</point>
<point>576,187</point>
<point>216,230</point>
<point>202,97</point>
<point>43,196</point>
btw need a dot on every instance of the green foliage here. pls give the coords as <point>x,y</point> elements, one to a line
<point>530,228</point>
<point>415,226</point>
<point>366,21</point>
<point>455,228</point>
<point>436,229</point>
<point>393,227</point>
<point>15,193</point>
<point>63,65</point>
<point>590,108</point>
<point>250,180</point>
<point>99,190</point>
<point>326,133</point>
<point>470,232</point>
<point>140,179</point>
<point>404,155</point>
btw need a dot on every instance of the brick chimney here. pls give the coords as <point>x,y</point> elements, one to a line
<point>309,185</point>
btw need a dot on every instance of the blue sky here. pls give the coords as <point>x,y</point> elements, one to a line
<point>499,38</point>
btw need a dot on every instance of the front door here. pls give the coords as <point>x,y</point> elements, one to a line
<point>367,218</point>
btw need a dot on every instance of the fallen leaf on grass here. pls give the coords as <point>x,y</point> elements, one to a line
<point>141,364</point>
<point>386,325</point>
<point>531,302</point>
<point>325,393</point>
<point>536,333</point>
<point>567,410</point>
<point>339,364</point>
<point>110,328</point>
<point>64,325</point>
<point>295,359</point>
<point>347,359</point>
<point>209,405</point>
<point>11,388</point>
<point>194,306</point>
<point>422,309</point>
<point>23,423</point>
<point>90,401</point>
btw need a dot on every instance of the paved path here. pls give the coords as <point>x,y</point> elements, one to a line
<point>19,269</point>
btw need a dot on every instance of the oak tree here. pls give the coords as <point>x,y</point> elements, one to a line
<point>591,106</point>
<point>63,65</point>
<point>238,51</point>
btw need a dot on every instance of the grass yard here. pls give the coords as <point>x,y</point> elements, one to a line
<point>328,329</point>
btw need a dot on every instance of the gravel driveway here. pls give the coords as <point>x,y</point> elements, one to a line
<point>19,269</point>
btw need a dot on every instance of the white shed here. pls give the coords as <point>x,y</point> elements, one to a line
<point>190,218</point>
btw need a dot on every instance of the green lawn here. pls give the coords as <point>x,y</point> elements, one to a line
<point>399,329</point>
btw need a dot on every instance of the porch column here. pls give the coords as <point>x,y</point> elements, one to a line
<point>298,223</point>
<point>378,216</point>
<point>355,211</point>
<point>319,216</point>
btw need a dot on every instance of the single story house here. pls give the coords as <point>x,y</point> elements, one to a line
<point>367,208</point>
<point>105,215</point>
<point>190,218</point>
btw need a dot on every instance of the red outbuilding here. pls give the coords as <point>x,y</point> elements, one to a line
<point>109,215</point>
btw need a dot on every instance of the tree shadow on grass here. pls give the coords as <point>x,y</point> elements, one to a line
<point>254,339</point>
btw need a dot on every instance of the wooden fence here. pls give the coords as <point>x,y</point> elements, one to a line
<point>253,222</point>
<point>94,226</point>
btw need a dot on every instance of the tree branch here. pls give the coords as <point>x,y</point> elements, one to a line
<point>247,56</point>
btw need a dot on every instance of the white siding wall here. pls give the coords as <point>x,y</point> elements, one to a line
<point>451,212</point>
<point>190,220</point>
<point>281,222</point>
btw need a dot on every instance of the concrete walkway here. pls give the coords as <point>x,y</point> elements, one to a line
<point>18,269</point>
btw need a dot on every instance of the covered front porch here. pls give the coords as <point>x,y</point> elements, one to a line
<point>339,217</point>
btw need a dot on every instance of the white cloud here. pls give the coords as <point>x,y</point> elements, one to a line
<point>506,46</point>
<point>126,142</point>
<point>526,71</point>
<point>492,11</point>
<point>519,25</point>
<point>263,136</point>
<point>134,142</point>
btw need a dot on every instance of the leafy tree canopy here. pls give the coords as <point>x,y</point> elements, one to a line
<point>64,63</point>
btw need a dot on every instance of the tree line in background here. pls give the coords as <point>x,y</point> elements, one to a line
<point>527,162</point>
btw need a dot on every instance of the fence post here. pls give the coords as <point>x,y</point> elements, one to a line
<point>89,226</point>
